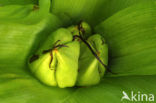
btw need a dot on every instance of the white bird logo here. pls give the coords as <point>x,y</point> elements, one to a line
<point>125,96</point>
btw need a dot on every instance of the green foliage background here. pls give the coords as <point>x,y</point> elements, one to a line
<point>129,27</point>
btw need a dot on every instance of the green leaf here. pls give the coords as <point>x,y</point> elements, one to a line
<point>16,89</point>
<point>130,34</point>
<point>92,11</point>
<point>17,2</point>
<point>21,34</point>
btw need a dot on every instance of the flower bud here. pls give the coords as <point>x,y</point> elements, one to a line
<point>92,63</point>
<point>40,68</point>
<point>67,66</point>
<point>101,49</point>
<point>66,59</point>
<point>82,28</point>
<point>56,61</point>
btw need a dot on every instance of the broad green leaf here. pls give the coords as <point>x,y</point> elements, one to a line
<point>20,34</point>
<point>130,34</point>
<point>17,89</point>
<point>92,11</point>
<point>77,9</point>
<point>17,2</point>
<point>110,7</point>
